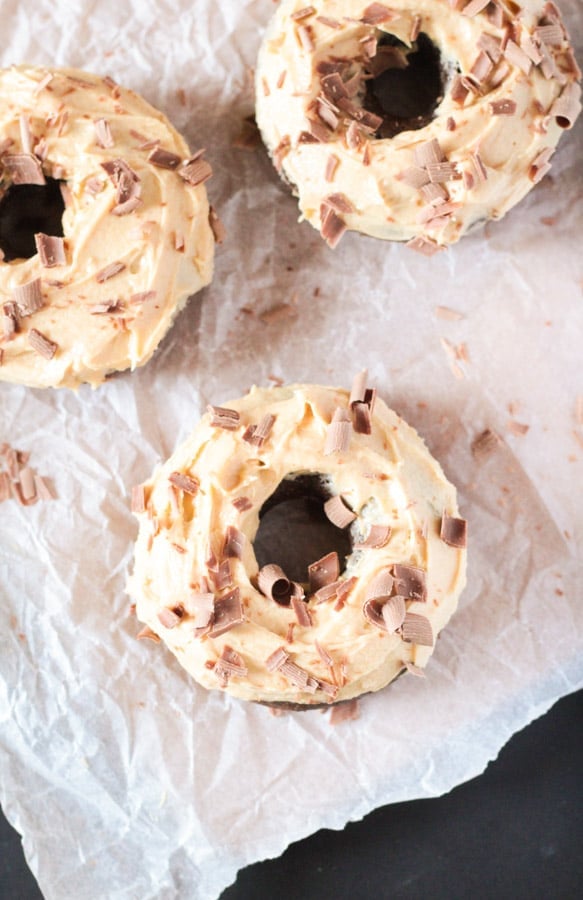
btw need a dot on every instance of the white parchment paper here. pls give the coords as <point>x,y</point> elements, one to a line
<point>125,778</point>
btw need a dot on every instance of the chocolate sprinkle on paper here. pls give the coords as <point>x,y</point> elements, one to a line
<point>42,344</point>
<point>184,482</point>
<point>28,297</point>
<point>338,512</point>
<point>454,531</point>
<point>410,582</point>
<point>417,629</point>
<point>228,613</point>
<point>273,583</point>
<point>324,571</point>
<point>485,442</point>
<point>164,159</point>
<point>51,250</point>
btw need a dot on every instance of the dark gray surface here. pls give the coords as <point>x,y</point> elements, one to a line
<point>514,832</point>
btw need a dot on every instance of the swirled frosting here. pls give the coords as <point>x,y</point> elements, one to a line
<point>510,90</point>
<point>136,235</point>
<point>196,581</point>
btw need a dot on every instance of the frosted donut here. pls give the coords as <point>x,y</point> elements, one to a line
<point>95,291</point>
<point>207,577</point>
<point>415,120</point>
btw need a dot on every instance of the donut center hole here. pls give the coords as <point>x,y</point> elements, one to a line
<point>26,210</point>
<point>295,532</point>
<point>407,93</point>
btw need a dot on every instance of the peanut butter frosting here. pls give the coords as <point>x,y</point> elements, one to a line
<point>136,239</point>
<point>248,630</point>
<point>510,89</point>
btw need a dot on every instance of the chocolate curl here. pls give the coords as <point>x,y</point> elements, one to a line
<point>338,433</point>
<point>338,512</point>
<point>381,586</point>
<point>324,571</point>
<point>273,583</point>
<point>377,537</point>
<point>567,106</point>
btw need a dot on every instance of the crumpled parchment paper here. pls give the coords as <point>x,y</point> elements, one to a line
<point>125,778</point>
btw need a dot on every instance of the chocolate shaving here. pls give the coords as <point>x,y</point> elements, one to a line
<point>138,499</point>
<point>9,320</point>
<point>347,711</point>
<point>259,433</point>
<point>51,250</point>
<point>228,664</point>
<point>235,542</point>
<point>220,575</point>
<point>42,344</point>
<point>273,583</point>
<point>415,28</point>
<point>479,167</point>
<point>103,133</point>
<point>482,67</point>
<point>324,571</point>
<point>424,245</point>
<point>377,537</point>
<point>164,159</point>
<point>485,443</point>
<point>358,390</point>
<point>324,655</point>
<point>228,613</point>
<point>417,629</point>
<point>305,38</point>
<point>332,164</point>
<point>428,152</point>
<point>276,659</point>
<point>303,13</point>
<point>376,14</point>
<point>338,512</point>
<point>415,177</point>
<point>109,271</point>
<point>454,531</point>
<point>195,171</point>
<point>441,172</point>
<point>329,22</point>
<point>217,227</point>
<point>491,46</point>
<point>23,168</point>
<point>147,633</point>
<point>338,433</point>
<point>301,611</point>
<point>242,504</point>
<point>504,107</point>
<point>531,49</point>
<point>474,7</point>
<point>109,307</point>
<point>333,87</point>
<point>517,57</point>
<point>393,613</point>
<point>434,194</point>
<point>339,203</point>
<point>567,106</point>
<point>170,618</point>
<point>372,611</point>
<point>540,165</point>
<point>201,606</point>
<point>381,586</point>
<point>355,136</point>
<point>337,590</point>
<point>221,417</point>
<point>28,297</point>
<point>413,669</point>
<point>184,482</point>
<point>127,186</point>
<point>459,90</point>
<point>332,227</point>
<point>552,34</point>
<point>410,582</point>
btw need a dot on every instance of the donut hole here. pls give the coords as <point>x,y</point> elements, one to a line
<point>26,210</point>
<point>294,530</point>
<point>406,98</point>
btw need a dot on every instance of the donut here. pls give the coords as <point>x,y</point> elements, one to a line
<point>416,120</point>
<point>267,609</point>
<point>105,227</point>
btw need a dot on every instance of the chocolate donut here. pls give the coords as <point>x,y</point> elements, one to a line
<point>415,120</point>
<point>209,581</point>
<point>104,227</point>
